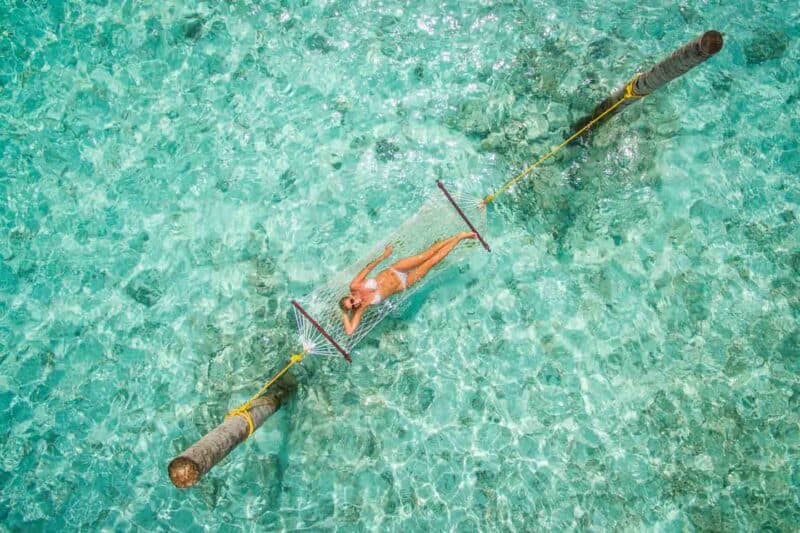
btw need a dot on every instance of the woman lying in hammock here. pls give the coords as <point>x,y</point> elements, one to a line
<point>397,278</point>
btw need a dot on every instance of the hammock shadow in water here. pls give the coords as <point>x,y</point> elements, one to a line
<point>449,275</point>
<point>282,455</point>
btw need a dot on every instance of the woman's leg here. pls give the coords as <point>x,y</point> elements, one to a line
<point>440,254</point>
<point>408,263</point>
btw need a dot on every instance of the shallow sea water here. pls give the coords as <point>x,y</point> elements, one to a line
<point>173,174</point>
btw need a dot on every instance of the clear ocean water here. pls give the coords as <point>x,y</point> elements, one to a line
<point>173,174</point>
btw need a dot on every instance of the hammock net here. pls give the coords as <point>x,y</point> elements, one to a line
<point>318,315</point>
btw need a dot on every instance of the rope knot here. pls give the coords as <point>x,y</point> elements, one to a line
<point>244,411</point>
<point>630,92</point>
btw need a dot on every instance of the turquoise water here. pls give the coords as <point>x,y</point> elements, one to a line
<point>174,174</point>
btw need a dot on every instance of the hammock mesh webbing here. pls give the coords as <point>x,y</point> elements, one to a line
<point>437,219</point>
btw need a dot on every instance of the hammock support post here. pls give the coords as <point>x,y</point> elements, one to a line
<point>187,468</point>
<point>681,61</point>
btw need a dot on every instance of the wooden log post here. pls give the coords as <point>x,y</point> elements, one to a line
<point>681,61</point>
<point>187,468</point>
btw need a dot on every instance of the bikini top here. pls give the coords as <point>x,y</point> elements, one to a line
<point>372,284</point>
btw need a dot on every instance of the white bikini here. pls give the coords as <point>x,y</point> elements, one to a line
<point>372,284</point>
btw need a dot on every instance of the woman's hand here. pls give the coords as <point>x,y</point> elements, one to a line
<point>367,269</point>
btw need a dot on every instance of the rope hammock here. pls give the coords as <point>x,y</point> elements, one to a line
<point>319,318</point>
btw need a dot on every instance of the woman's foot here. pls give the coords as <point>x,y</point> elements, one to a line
<point>467,235</point>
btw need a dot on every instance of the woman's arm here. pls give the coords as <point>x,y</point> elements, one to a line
<point>367,269</point>
<point>351,325</point>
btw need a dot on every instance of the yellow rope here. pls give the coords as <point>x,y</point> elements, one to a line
<point>244,409</point>
<point>629,93</point>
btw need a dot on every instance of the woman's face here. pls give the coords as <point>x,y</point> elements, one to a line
<point>352,302</point>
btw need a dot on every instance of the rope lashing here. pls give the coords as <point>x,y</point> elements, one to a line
<point>630,92</point>
<point>244,409</point>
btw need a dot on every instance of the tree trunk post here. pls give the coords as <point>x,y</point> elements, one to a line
<point>681,61</point>
<point>186,469</point>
